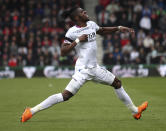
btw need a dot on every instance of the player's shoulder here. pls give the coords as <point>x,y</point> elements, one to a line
<point>70,33</point>
<point>93,25</point>
<point>91,22</point>
<point>72,29</point>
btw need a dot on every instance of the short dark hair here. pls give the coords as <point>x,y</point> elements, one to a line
<point>70,13</point>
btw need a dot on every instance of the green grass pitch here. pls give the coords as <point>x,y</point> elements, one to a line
<point>94,108</point>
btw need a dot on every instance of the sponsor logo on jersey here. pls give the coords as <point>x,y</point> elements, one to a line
<point>80,30</point>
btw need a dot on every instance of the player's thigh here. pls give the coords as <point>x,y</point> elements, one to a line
<point>76,82</point>
<point>103,76</point>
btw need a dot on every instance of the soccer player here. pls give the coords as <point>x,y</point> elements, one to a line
<point>82,38</point>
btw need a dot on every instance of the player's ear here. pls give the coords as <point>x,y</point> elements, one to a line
<point>76,18</point>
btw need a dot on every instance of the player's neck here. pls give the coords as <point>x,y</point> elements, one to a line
<point>81,24</point>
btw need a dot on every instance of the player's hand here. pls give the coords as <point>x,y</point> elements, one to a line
<point>124,29</point>
<point>83,38</point>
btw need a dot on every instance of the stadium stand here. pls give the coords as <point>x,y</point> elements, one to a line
<point>31,32</point>
<point>147,18</point>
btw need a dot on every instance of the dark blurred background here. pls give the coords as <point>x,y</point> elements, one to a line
<point>32,31</point>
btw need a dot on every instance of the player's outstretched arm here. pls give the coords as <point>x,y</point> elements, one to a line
<point>67,47</point>
<point>108,30</point>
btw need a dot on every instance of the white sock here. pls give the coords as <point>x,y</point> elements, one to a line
<point>123,96</point>
<point>51,100</point>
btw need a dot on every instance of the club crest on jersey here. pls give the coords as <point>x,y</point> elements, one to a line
<point>92,36</point>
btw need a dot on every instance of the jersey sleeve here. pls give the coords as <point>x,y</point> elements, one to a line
<point>95,26</point>
<point>69,38</point>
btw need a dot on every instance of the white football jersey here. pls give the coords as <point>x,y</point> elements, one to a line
<point>86,51</point>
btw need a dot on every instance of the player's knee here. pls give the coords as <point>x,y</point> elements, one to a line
<point>66,95</point>
<point>117,83</point>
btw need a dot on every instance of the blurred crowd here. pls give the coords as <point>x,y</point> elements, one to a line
<point>31,32</point>
<point>147,18</point>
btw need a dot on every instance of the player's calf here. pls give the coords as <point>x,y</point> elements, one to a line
<point>123,96</point>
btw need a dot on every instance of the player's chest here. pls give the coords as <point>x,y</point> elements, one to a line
<point>91,32</point>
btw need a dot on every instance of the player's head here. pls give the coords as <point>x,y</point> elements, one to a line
<point>76,14</point>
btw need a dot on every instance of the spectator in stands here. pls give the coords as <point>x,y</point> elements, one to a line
<point>47,57</point>
<point>148,43</point>
<point>107,40</point>
<point>31,26</point>
<point>140,37</point>
<point>41,61</point>
<point>104,3</point>
<point>13,48</point>
<point>109,59</point>
<point>142,56</point>
<point>112,20</point>
<point>156,35</point>
<point>139,15</point>
<point>124,20</point>
<point>159,47</point>
<point>117,54</point>
<point>116,40</point>
<point>162,22</point>
<point>133,40</point>
<point>137,7</point>
<point>113,7</point>
<point>145,24</point>
<point>154,58</point>
<point>39,10</point>
<point>55,60</point>
<point>103,17</point>
<point>161,4</point>
<point>154,19</point>
<point>146,12</point>
<point>110,47</point>
<point>119,60</point>
<point>29,58</point>
<point>164,42</point>
<point>127,49</point>
<point>4,60</point>
<point>12,61</point>
<point>134,56</point>
<point>47,10</point>
<point>124,39</point>
<point>21,61</point>
<point>98,9</point>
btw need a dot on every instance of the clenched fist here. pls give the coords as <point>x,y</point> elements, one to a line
<point>124,29</point>
<point>83,38</point>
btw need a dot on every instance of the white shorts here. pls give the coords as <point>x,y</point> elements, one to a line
<point>97,74</point>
